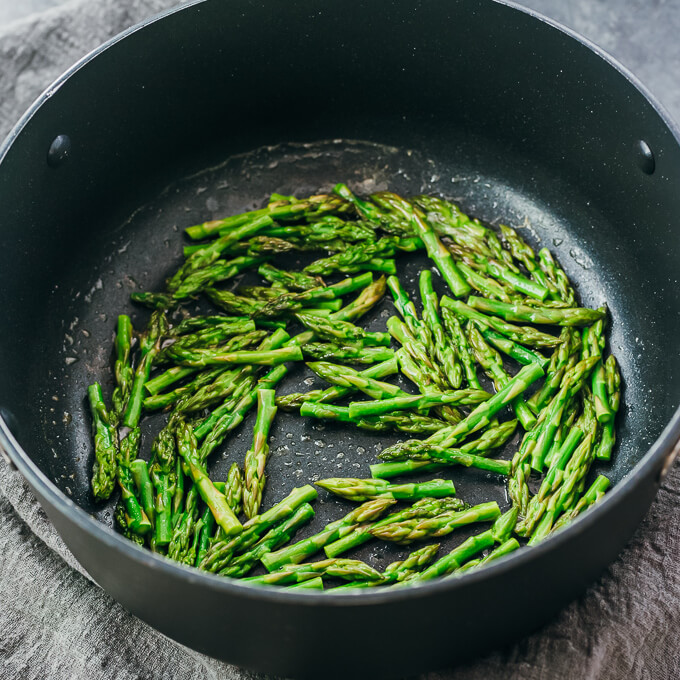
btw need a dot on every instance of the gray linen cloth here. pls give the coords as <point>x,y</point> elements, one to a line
<point>56,624</point>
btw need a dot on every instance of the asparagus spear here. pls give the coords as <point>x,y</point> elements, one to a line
<point>256,458</point>
<point>295,400</point>
<point>140,474</point>
<point>410,530</point>
<point>578,316</point>
<point>315,583</point>
<point>501,551</point>
<point>220,270</point>
<point>208,254</point>
<point>105,445</point>
<point>275,537</point>
<point>368,489</point>
<point>221,552</point>
<point>367,299</point>
<point>456,558</point>
<point>350,353</point>
<point>208,357</point>
<point>491,438</point>
<point>613,383</point>
<point>187,447</point>
<point>462,347</point>
<point>406,422</point>
<point>427,507</point>
<point>353,258</point>
<point>293,302</point>
<point>298,281</point>
<point>414,563</point>
<point>163,475</point>
<point>343,376</point>
<point>362,409</point>
<point>525,335</point>
<point>234,486</point>
<point>308,208</point>
<point>520,354</point>
<point>350,570</point>
<point>426,370</point>
<point>296,553</point>
<point>149,348</point>
<point>480,417</point>
<point>443,350</point>
<point>556,276</point>
<point>122,369</point>
<point>589,498</point>
<point>135,517</point>
<point>341,331</point>
<point>492,364</point>
<point>168,378</point>
<point>435,249</point>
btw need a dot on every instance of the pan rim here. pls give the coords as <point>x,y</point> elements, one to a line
<point>648,464</point>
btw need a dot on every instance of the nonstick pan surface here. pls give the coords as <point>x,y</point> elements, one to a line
<point>545,137</point>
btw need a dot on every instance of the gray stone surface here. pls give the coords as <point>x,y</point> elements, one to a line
<point>56,624</point>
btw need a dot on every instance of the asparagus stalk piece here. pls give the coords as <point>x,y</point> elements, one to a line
<point>221,552</point>
<point>220,270</point>
<point>293,401</point>
<point>462,347</point>
<point>313,206</point>
<point>515,351</point>
<point>296,553</point>
<point>168,378</point>
<point>135,518</point>
<point>275,537</point>
<point>140,474</point>
<point>341,331</point>
<point>410,530</point>
<point>456,558</point>
<point>427,507</point>
<point>343,376</point>
<point>414,563</point>
<point>443,349</point>
<point>208,254</point>
<point>256,458</point>
<point>315,583</point>
<point>404,421</point>
<point>524,335</point>
<point>350,353</point>
<point>298,281</point>
<point>501,551</point>
<point>208,357</point>
<point>350,570</point>
<point>149,348</point>
<point>367,489</point>
<point>187,447</point>
<point>362,409</point>
<point>556,275</point>
<point>105,445</point>
<point>491,438</point>
<point>492,364</point>
<point>589,498</point>
<point>480,417</point>
<point>123,369</point>
<point>367,299</point>
<point>233,490</point>
<point>293,302</point>
<point>578,316</point>
<point>613,383</point>
<point>435,248</point>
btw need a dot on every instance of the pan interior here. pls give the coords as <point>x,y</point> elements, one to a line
<point>139,251</point>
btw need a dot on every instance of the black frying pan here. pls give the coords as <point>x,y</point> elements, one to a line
<point>513,117</point>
